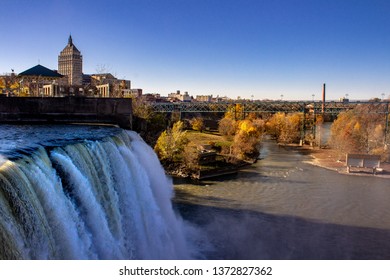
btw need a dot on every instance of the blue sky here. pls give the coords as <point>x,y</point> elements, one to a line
<point>264,48</point>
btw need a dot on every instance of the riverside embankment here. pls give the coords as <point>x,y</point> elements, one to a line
<point>329,159</point>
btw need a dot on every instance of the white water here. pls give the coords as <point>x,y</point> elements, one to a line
<point>106,199</point>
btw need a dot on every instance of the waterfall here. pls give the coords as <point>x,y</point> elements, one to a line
<point>104,199</point>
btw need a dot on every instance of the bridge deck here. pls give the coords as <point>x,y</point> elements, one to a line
<point>329,107</point>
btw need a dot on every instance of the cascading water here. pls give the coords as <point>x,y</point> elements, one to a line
<point>95,199</point>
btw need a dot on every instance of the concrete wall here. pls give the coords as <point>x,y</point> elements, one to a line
<point>66,110</point>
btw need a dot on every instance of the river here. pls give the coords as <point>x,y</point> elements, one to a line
<point>285,208</point>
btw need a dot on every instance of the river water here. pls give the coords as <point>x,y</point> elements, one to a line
<point>284,208</point>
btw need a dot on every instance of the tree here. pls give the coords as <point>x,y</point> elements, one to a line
<point>246,142</point>
<point>235,111</point>
<point>171,143</point>
<point>291,129</point>
<point>197,124</point>
<point>251,127</point>
<point>245,146</point>
<point>2,84</point>
<point>259,124</point>
<point>275,125</point>
<point>359,131</point>
<point>148,123</point>
<point>227,127</point>
<point>9,84</point>
<point>191,157</point>
<point>141,108</point>
<point>285,128</point>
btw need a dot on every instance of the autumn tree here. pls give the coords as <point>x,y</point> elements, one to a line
<point>147,123</point>
<point>171,143</point>
<point>227,127</point>
<point>247,140</point>
<point>235,112</point>
<point>275,125</point>
<point>343,133</point>
<point>197,124</point>
<point>191,157</point>
<point>285,128</point>
<point>360,130</point>
<point>9,84</point>
<point>2,84</point>
<point>291,131</point>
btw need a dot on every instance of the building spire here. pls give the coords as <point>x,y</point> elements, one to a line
<point>70,42</point>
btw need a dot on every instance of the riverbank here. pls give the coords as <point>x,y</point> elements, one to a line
<point>329,159</point>
<point>207,155</point>
<point>219,168</point>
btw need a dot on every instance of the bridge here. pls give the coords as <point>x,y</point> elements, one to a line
<point>317,107</point>
<point>310,109</point>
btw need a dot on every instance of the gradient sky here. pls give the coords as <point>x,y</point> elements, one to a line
<point>264,48</point>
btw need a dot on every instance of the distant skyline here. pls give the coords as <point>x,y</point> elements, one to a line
<point>264,48</point>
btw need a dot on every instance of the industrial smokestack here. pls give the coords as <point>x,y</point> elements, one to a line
<point>323,98</point>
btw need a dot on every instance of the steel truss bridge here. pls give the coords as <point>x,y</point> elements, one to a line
<point>317,107</point>
<point>309,109</point>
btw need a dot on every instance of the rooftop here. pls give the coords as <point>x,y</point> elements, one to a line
<point>42,71</point>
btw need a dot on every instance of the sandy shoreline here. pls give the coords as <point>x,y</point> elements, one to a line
<point>327,158</point>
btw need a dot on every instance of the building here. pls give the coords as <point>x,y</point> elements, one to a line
<point>103,78</point>
<point>70,64</point>
<point>177,96</point>
<point>204,98</point>
<point>50,90</point>
<point>67,80</point>
<point>108,85</point>
<point>154,97</point>
<point>135,92</point>
<point>40,81</point>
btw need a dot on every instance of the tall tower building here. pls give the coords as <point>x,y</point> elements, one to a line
<point>70,64</point>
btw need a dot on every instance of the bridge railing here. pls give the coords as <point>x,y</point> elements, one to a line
<point>329,107</point>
